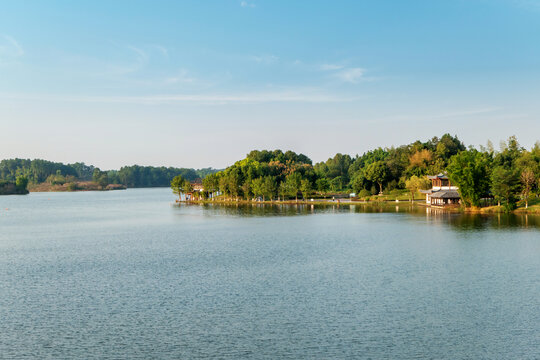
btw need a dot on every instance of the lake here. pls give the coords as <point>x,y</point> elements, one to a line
<point>128,274</point>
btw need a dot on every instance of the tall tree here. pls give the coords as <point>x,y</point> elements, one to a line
<point>305,188</point>
<point>224,185</point>
<point>470,171</point>
<point>269,187</point>
<point>21,182</point>
<point>377,173</point>
<point>246,188</point>
<point>416,183</point>
<point>177,185</point>
<point>283,190</point>
<point>233,182</point>
<point>528,179</point>
<point>293,184</point>
<point>188,189</point>
<point>323,185</point>
<point>505,185</point>
<point>257,186</point>
<point>211,184</point>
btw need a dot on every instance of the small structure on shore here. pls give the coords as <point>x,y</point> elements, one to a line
<point>196,189</point>
<point>442,192</point>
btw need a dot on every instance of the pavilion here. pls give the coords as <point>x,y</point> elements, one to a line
<point>442,191</point>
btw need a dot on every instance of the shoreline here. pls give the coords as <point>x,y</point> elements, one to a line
<point>491,210</point>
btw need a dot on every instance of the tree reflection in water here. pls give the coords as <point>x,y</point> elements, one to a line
<point>457,220</point>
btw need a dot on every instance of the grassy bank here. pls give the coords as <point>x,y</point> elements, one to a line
<point>73,186</point>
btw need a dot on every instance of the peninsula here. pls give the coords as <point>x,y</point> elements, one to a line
<point>438,172</point>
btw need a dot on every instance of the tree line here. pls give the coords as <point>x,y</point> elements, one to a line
<point>505,175</point>
<point>19,186</point>
<point>38,171</point>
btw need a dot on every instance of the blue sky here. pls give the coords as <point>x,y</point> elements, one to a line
<point>201,83</point>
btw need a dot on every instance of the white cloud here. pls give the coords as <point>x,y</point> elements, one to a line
<point>9,48</point>
<point>139,61</point>
<point>181,78</point>
<point>163,50</point>
<point>329,67</point>
<point>246,4</point>
<point>266,59</point>
<point>350,75</point>
<point>141,57</point>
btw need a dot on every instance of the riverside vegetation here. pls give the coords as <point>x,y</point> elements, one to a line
<point>17,187</point>
<point>489,180</point>
<point>43,175</point>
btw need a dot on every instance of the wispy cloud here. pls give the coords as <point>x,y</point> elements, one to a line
<point>182,77</point>
<point>285,96</point>
<point>141,57</point>
<point>162,49</point>
<point>343,73</point>
<point>247,4</point>
<point>350,75</point>
<point>329,67</point>
<point>9,48</point>
<point>133,60</point>
<point>266,59</point>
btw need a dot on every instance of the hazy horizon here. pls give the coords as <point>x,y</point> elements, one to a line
<point>200,85</point>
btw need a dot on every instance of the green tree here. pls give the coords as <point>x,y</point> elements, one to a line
<point>224,185</point>
<point>336,184</point>
<point>364,193</point>
<point>269,187</point>
<point>246,188</point>
<point>305,188</point>
<point>470,171</point>
<point>188,188</point>
<point>177,185</point>
<point>293,184</point>
<point>416,183</point>
<point>211,184</point>
<point>505,185</point>
<point>283,190</point>
<point>233,182</point>
<point>377,173</point>
<point>21,182</point>
<point>100,177</point>
<point>257,186</point>
<point>358,182</point>
<point>323,185</point>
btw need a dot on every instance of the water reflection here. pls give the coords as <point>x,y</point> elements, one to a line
<point>459,221</point>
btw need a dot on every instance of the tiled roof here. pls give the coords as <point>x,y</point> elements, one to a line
<point>438,176</point>
<point>446,194</point>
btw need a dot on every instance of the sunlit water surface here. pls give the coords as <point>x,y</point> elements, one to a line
<point>127,274</point>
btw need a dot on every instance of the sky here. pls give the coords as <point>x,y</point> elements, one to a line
<point>202,83</point>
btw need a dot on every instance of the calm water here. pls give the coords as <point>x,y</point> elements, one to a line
<point>128,275</point>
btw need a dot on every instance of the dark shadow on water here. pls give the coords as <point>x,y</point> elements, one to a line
<point>458,221</point>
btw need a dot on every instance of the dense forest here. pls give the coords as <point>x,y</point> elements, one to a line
<point>17,187</point>
<point>40,171</point>
<point>505,175</point>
